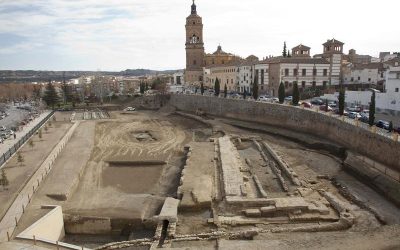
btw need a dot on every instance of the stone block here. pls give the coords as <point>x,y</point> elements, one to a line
<point>252,212</point>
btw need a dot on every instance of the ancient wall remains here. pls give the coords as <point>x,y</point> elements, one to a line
<point>375,146</point>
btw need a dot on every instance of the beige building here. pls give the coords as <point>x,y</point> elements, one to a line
<point>194,48</point>
<point>220,57</point>
<point>227,74</point>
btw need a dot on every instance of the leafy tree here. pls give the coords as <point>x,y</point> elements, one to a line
<point>284,52</point>
<point>281,93</point>
<point>50,96</point>
<point>255,89</point>
<point>225,91</point>
<point>31,143</point>
<point>390,126</point>
<point>342,95</point>
<point>296,94</point>
<point>372,110</point>
<point>4,180</point>
<point>40,134</point>
<point>155,83</point>
<point>20,159</point>
<point>216,87</point>
<point>68,96</point>
<point>202,89</point>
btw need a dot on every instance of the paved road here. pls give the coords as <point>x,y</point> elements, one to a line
<point>7,144</point>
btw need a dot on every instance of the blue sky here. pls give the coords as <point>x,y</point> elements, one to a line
<point>121,34</point>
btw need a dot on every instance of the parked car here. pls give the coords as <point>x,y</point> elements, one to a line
<point>354,115</point>
<point>324,108</point>
<point>4,135</point>
<point>364,118</point>
<point>332,104</point>
<point>397,130</point>
<point>365,112</point>
<point>289,98</point>
<point>382,124</point>
<point>306,104</point>
<point>354,109</point>
<point>129,109</point>
<point>3,128</point>
<point>263,98</point>
<point>336,111</point>
<point>317,101</point>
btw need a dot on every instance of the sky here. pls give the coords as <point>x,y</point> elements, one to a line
<point>120,34</point>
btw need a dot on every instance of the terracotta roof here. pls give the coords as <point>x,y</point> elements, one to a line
<point>301,46</point>
<point>333,41</point>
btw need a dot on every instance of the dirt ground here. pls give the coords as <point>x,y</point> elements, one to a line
<point>136,191</point>
<point>33,156</point>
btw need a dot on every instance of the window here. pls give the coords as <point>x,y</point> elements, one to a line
<point>314,84</point>
<point>194,62</point>
<point>369,79</point>
<point>352,79</point>
<point>396,90</point>
<point>231,81</point>
<point>262,76</point>
<point>304,72</point>
<point>314,72</point>
<point>359,78</point>
<point>286,84</point>
<point>303,84</point>
<point>398,76</point>
<point>213,62</point>
<point>295,72</point>
<point>286,72</point>
<point>223,62</point>
<point>381,74</point>
<point>227,81</point>
<point>324,84</point>
<point>325,72</point>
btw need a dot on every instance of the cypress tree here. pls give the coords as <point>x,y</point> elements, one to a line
<point>296,94</point>
<point>342,94</point>
<point>50,95</point>
<point>372,110</point>
<point>244,94</point>
<point>225,91</point>
<point>216,87</point>
<point>255,89</point>
<point>284,52</point>
<point>281,93</point>
<point>202,88</point>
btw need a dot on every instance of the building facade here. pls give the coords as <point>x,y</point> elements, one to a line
<point>194,47</point>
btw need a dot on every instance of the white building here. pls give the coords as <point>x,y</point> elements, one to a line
<point>245,77</point>
<point>178,78</point>
<point>393,81</point>
<point>261,76</point>
<point>364,74</point>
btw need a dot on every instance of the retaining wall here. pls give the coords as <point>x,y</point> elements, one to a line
<point>373,145</point>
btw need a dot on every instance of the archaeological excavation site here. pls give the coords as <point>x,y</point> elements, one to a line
<point>197,172</point>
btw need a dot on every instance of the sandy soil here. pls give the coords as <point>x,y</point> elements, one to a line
<point>33,158</point>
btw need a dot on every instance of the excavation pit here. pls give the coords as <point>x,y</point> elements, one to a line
<point>144,136</point>
<point>132,179</point>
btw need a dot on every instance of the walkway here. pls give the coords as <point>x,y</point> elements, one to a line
<point>10,220</point>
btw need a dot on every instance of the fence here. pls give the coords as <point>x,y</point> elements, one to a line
<point>7,155</point>
<point>10,220</point>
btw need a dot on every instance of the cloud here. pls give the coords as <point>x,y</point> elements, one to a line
<point>115,35</point>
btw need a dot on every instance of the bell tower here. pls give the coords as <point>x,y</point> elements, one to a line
<point>194,48</point>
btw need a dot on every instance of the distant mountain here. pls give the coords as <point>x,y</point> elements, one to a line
<point>36,76</point>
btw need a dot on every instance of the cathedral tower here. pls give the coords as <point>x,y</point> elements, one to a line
<point>194,48</point>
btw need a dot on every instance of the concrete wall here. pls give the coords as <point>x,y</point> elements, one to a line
<point>377,147</point>
<point>50,226</point>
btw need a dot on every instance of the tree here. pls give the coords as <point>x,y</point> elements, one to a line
<point>146,87</point>
<point>46,128</point>
<point>281,93</point>
<point>20,159</point>
<point>67,93</point>
<point>50,95</point>
<point>326,105</point>
<point>216,87</point>
<point>284,52</point>
<point>40,134</point>
<point>390,126</point>
<point>296,94</point>
<point>31,143</point>
<point>244,94</point>
<point>372,109</point>
<point>202,88</point>
<point>342,95</point>
<point>141,87</point>
<point>4,180</point>
<point>255,89</point>
<point>225,91</point>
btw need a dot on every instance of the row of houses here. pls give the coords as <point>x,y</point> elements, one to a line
<point>324,71</point>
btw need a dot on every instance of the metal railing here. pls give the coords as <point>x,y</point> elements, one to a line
<point>11,151</point>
